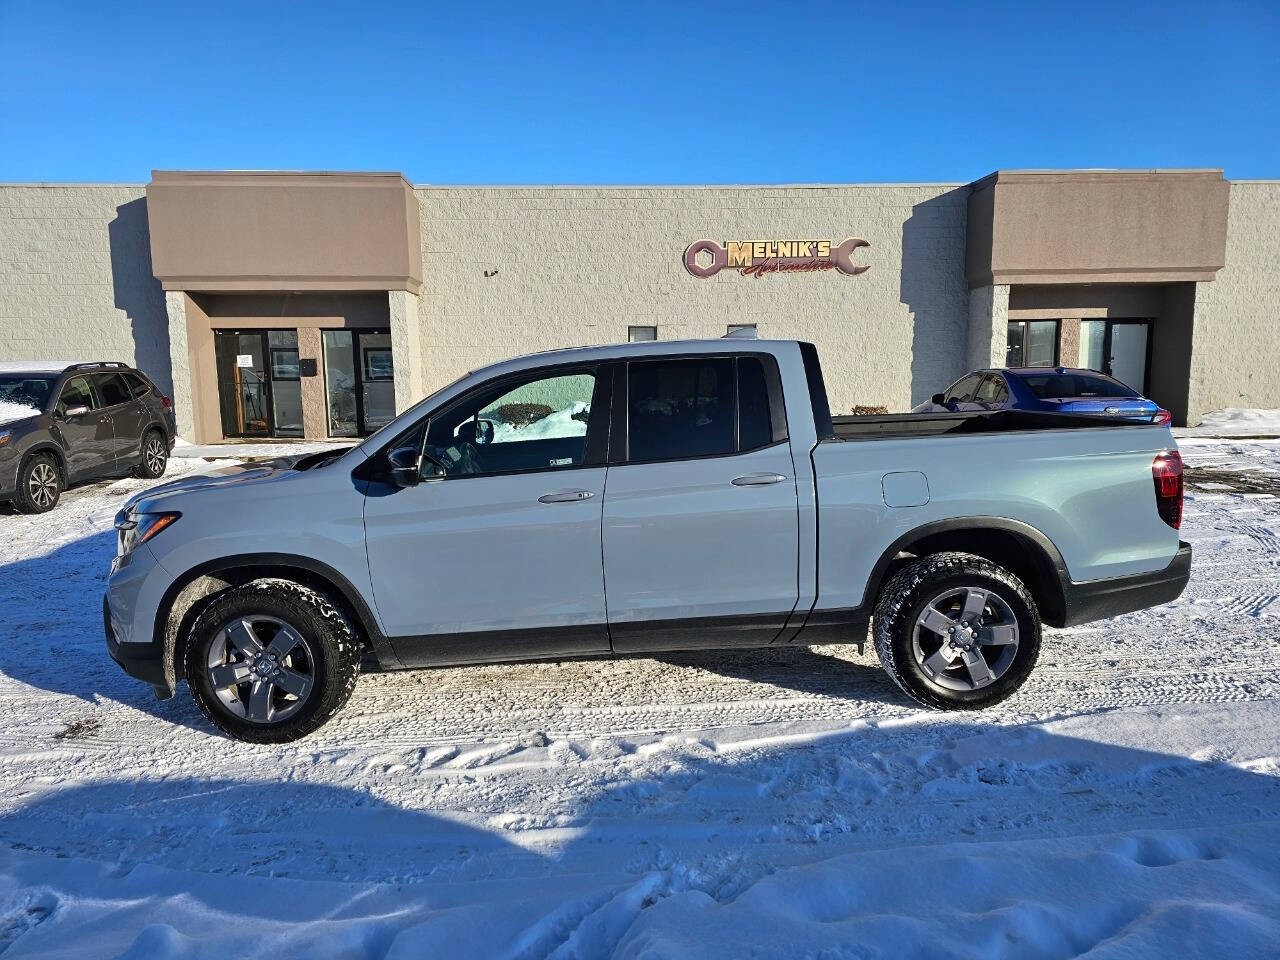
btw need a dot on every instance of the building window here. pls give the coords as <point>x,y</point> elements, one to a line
<point>1032,343</point>
<point>638,334</point>
<point>734,327</point>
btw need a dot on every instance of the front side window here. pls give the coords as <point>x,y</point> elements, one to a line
<point>962,391</point>
<point>536,424</point>
<point>75,393</point>
<point>680,408</point>
<point>112,389</point>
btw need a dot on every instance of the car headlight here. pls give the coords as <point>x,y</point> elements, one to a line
<point>133,528</point>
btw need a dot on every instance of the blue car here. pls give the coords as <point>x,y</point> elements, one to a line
<point>1045,389</point>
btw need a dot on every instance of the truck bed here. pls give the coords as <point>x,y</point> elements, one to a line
<point>972,421</point>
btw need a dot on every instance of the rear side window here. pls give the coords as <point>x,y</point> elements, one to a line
<point>680,408</point>
<point>991,386</point>
<point>112,389</point>
<point>137,386</point>
<point>75,393</point>
<point>1056,385</point>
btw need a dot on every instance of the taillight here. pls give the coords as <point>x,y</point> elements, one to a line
<point>1162,418</point>
<point>168,404</point>
<point>1166,470</point>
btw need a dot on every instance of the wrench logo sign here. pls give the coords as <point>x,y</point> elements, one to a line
<point>755,258</point>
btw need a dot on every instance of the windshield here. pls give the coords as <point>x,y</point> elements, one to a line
<point>26,389</point>
<point>1059,385</point>
<point>384,433</point>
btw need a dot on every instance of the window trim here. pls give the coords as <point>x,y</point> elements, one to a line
<point>619,425</point>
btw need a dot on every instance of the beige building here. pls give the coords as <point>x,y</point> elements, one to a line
<point>319,304</point>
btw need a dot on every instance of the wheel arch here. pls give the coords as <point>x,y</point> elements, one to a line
<point>51,448</point>
<point>190,593</point>
<point>1021,548</point>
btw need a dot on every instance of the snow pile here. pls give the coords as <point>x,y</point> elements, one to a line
<point>783,802</point>
<point>9,411</point>
<point>570,421</point>
<point>1235,422</point>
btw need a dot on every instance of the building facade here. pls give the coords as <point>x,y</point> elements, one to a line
<point>318,305</point>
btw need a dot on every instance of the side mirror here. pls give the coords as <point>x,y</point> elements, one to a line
<point>406,470</point>
<point>938,398</point>
<point>72,412</point>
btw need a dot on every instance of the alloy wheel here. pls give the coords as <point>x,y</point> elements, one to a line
<point>261,668</point>
<point>42,485</point>
<point>154,455</point>
<point>965,638</point>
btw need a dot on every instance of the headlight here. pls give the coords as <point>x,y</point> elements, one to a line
<point>133,528</point>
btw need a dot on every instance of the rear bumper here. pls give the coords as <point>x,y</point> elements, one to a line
<point>1100,599</point>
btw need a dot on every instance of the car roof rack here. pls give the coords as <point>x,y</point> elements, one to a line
<point>98,365</point>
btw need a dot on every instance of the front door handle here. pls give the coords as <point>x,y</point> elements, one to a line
<point>758,479</point>
<point>566,496</point>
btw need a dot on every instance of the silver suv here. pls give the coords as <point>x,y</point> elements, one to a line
<point>64,423</point>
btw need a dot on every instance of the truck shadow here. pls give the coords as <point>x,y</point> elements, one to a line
<point>707,852</point>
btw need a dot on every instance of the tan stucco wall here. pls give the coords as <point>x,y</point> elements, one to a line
<point>1236,335</point>
<point>578,265</point>
<point>75,278</point>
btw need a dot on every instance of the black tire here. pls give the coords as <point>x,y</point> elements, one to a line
<point>34,493</point>
<point>331,645</point>
<point>153,456</point>
<point>921,583</point>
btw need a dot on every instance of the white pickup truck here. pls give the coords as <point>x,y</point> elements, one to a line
<point>638,498</point>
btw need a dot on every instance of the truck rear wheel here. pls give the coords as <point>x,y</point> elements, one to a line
<point>956,631</point>
<point>271,661</point>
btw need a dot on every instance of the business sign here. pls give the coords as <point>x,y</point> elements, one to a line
<point>755,258</point>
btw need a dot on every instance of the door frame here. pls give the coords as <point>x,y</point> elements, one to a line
<point>1106,346</point>
<point>268,392</point>
<point>357,365</point>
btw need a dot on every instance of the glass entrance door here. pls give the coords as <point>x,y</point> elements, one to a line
<point>359,381</point>
<point>1118,348</point>
<point>259,389</point>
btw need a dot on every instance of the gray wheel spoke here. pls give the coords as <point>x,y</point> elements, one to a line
<point>974,603</point>
<point>939,660</point>
<point>936,620</point>
<point>286,639</point>
<point>979,672</point>
<point>292,682</point>
<point>242,637</point>
<point>260,701</point>
<point>228,675</point>
<point>997,636</point>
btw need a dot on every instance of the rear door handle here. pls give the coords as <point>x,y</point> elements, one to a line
<point>758,479</point>
<point>566,496</point>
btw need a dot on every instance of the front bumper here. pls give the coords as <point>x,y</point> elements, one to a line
<point>143,661</point>
<point>1100,599</point>
<point>135,592</point>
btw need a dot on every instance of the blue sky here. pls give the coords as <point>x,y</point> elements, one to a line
<point>693,92</point>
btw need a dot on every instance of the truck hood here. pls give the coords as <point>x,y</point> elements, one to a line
<point>236,475</point>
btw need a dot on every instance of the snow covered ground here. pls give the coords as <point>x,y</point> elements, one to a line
<point>778,803</point>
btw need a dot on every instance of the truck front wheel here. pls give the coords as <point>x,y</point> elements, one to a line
<point>271,661</point>
<point>956,631</point>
